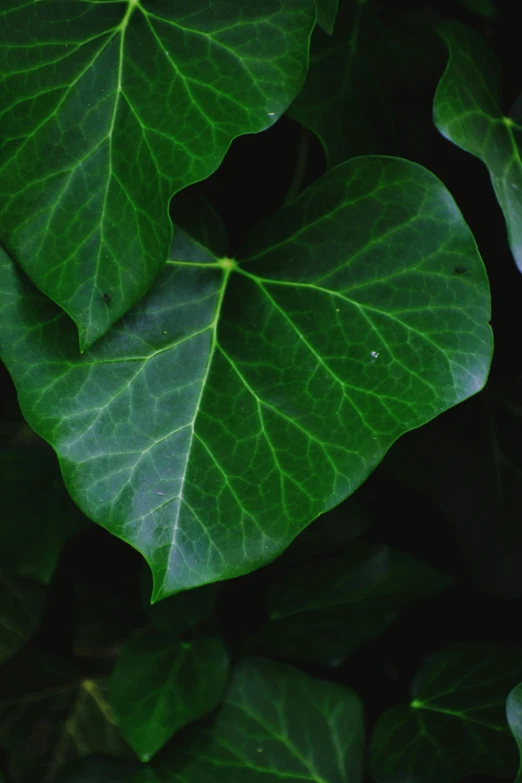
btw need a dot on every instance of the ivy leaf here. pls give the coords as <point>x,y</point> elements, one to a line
<point>326,13</point>
<point>456,723</point>
<point>37,523</point>
<point>321,611</point>
<point>50,714</point>
<point>160,685</point>
<point>514,718</point>
<point>373,68</point>
<point>467,111</point>
<point>240,400</point>
<point>22,607</point>
<point>275,723</point>
<point>118,106</point>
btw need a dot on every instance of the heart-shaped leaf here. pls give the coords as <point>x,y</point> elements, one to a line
<point>321,611</point>
<point>108,108</point>
<point>456,723</point>
<point>159,685</point>
<point>467,111</point>
<point>514,718</point>
<point>242,399</point>
<point>275,724</point>
<point>22,607</point>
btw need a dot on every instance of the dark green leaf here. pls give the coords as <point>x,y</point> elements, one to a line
<point>183,612</point>
<point>468,112</point>
<point>362,92</point>
<point>514,718</point>
<point>239,401</point>
<point>22,607</point>
<point>456,722</point>
<point>110,108</point>
<point>37,515</point>
<point>49,715</point>
<point>276,724</point>
<point>159,685</point>
<point>321,611</point>
<point>326,13</point>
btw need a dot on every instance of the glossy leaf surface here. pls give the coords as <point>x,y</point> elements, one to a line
<point>276,724</point>
<point>158,686</point>
<point>109,108</point>
<point>456,722</point>
<point>240,400</point>
<point>468,112</point>
<point>321,611</point>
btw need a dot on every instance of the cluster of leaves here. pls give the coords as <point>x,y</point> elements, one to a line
<point>236,290</point>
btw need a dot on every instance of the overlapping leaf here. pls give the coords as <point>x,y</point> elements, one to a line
<point>275,724</point>
<point>514,718</point>
<point>159,686</point>
<point>240,400</point>
<point>22,606</point>
<point>321,611</point>
<point>456,722</point>
<point>108,108</point>
<point>468,112</point>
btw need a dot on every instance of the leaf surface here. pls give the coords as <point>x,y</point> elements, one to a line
<point>321,611</point>
<point>456,723</point>
<point>467,111</point>
<point>276,724</point>
<point>159,685</point>
<point>240,400</point>
<point>112,107</point>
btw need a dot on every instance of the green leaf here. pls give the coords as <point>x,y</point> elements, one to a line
<point>34,524</point>
<point>321,611</point>
<point>276,724</point>
<point>456,722</point>
<point>364,84</point>
<point>118,106</point>
<point>160,685</point>
<point>22,607</point>
<point>50,714</point>
<point>514,719</point>
<point>467,111</point>
<point>326,13</point>
<point>240,400</point>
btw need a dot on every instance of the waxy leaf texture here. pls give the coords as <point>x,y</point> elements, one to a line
<point>243,398</point>
<point>108,109</point>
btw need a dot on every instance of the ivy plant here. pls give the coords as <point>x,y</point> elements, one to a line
<point>260,477</point>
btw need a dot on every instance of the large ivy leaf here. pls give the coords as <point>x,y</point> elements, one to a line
<point>159,685</point>
<point>364,85</point>
<point>275,724</point>
<point>35,524</point>
<point>240,400</point>
<point>514,718</point>
<point>321,611</point>
<point>50,714</point>
<point>22,607</point>
<point>467,111</point>
<point>456,723</point>
<point>111,107</point>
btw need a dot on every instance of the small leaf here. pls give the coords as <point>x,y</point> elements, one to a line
<point>326,13</point>
<point>22,607</point>
<point>321,611</point>
<point>242,399</point>
<point>456,722</point>
<point>38,516</point>
<point>514,718</point>
<point>275,724</point>
<point>467,111</point>
<point>160,685</point>
<point>50,714</point>
<point>118,106</point>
